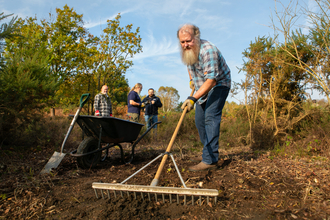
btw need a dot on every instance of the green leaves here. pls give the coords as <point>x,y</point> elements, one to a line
<point>26,85</point>
<point>73,61</point>
<point>6,32</point>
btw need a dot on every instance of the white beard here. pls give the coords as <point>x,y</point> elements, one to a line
<point>190,56</point>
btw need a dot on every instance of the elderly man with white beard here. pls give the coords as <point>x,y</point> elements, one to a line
<point>102,103</point>
<point>210,75</point>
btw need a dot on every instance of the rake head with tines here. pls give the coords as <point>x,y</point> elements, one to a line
<point>170,194</point>
<point>167,193</point>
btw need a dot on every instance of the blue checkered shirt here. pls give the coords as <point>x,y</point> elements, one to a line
<point>211,65</point>
<point>102,103</point>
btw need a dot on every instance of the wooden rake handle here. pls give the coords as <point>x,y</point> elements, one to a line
<point>162,164</point>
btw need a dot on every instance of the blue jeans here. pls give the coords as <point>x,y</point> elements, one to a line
<point>150,119</point>
<point>208,119</point>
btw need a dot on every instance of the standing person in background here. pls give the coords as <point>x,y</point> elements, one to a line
<point>102,103</point>
<point>134,104</point>
<point>152,103</point>
<point>210,75</point>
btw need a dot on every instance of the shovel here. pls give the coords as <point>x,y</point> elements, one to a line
<point>57,157</point>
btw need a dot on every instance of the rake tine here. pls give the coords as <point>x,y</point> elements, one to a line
<point>142,196</point>
<point>115,193</point>
<point>135,195</point>
<point>185,200</point>
<point>121,193</point>
<point>163,198</point>
<point>170,198</point>
<point>200,200</point>
<point>127,194</point>
<point>192,200</point>
<point>156,197</point>
<point>96,193</point>
<point>108,194</point>
<point>149,197</point>
<point>215,200</point>
<point>177,199</point>
<point>102,194</point>
<point>208,199</point>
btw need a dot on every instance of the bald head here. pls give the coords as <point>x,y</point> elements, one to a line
<point>104,89</point>
<point>191,29</point>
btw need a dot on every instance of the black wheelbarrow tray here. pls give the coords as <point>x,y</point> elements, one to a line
<point>109,130</point>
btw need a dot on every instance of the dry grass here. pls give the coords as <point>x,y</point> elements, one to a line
<point>307,137</point>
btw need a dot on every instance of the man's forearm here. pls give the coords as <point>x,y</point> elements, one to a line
<point>205,88</point>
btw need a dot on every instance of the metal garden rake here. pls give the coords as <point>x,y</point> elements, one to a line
<point>166,192</point>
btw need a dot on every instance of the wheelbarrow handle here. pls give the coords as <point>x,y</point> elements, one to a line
<point>82,100</point>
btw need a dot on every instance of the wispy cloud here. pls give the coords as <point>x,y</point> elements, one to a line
<point>213,22</point>
<point>156,47</point>
<point>170,61</point>
<point>91,24</point>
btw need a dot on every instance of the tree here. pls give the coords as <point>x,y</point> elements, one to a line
<point>117,46</point>
<point>66,39</point>
<point>26,83</point>
<point>270,64</point>
<point>169,96</point>
<point>6,32</point>
<point>79,61</point>
<point>318,40</point>
<point>72,49</point>
<point>64,43</point>
<point>277,73</point>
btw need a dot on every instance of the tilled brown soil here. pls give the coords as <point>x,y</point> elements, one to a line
<point>251,186</point>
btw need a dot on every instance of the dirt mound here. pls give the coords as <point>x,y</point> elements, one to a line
<point>251,187</point>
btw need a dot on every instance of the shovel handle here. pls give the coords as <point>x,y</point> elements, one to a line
<point>82,100</point>
<point>161,166</point>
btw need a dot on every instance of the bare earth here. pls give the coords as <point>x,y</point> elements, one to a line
<point>251,186</point>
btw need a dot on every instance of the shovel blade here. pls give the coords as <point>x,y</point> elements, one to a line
<point>53,162</point>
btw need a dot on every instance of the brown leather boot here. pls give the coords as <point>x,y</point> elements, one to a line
<point>196,159</point>
<point>203,167</point>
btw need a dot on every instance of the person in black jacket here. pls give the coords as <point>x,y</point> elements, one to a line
<point>152,103</point>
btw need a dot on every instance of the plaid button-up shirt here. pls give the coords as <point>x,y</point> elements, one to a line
<point>102,103</point>
<point>211,65</point>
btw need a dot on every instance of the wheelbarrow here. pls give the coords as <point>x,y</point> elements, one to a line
<point>109,130</point>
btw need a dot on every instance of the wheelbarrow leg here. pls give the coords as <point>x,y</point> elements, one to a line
<point>121,153</point>
<point>99,144</point>
<point>106,153</point>
<point>138,140</point>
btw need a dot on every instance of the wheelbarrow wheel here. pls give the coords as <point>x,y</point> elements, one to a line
<point>89,161</point>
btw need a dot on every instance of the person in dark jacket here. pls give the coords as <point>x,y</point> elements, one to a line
<point>152,103</point>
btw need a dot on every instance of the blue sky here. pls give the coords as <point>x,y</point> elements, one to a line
<point>229,24</point>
